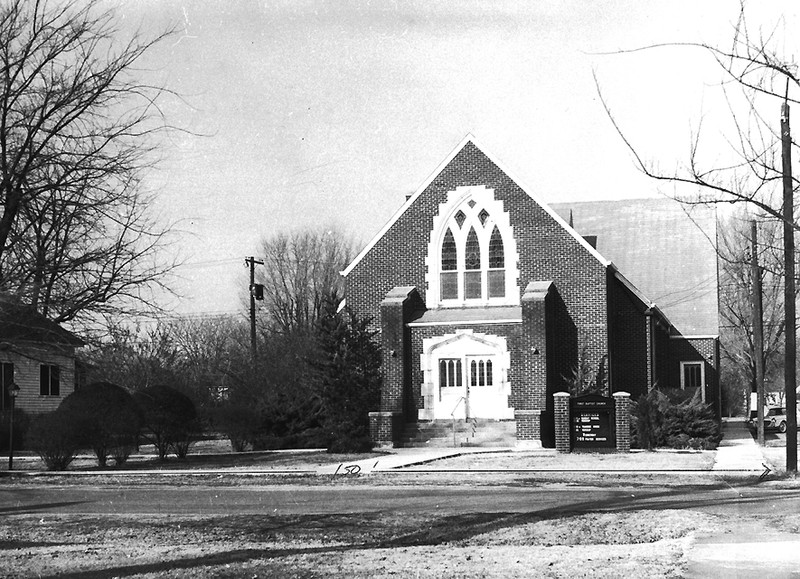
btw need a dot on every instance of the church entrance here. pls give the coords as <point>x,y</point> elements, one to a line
<point>466,377</point>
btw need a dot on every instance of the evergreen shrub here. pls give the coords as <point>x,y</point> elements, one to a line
<point>674,419</point>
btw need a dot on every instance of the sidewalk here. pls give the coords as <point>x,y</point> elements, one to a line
<point>746,551</point>
<point>738,454</point>
<point>399,458</point>
<point>738,451</point>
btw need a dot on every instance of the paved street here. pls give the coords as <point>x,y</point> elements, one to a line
<point>744,501</point>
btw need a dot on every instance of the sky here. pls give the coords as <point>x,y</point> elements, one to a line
<point>326,114</point>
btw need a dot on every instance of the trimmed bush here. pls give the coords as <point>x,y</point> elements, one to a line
<point>109,420</point>
<point>56,439</point>
<point>241,424</point>
<point>673,419</point>
<point>22,423</point>
<point>170,419</point>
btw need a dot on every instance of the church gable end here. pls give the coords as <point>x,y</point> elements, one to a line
<point>515,240</point>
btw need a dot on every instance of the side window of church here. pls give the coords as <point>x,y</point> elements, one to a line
<point>49,380</point>
<point>692,375</point>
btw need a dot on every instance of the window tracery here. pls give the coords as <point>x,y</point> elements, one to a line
<point>472,256</point>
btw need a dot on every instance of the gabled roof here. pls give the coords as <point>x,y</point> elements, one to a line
<point>21,323</point>
<point>665,257</point>
<point>667,250</point>
<point>470,139</point>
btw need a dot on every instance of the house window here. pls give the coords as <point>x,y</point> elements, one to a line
<point>6,378</point>
<point>692,375</point>
<point>49,383</point>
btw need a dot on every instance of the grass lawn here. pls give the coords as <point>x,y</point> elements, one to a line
<point>643,543</point>
<point>630,544</point>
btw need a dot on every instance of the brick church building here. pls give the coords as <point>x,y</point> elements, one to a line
<point>489,301</point>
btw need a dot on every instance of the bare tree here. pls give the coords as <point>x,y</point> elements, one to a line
<point>753,171</point>
<point>300,273</point>
<point>759,170</point>
<point>76,128</point>
<point>735,307</point>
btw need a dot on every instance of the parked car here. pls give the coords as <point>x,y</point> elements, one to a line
<point>774,419</point>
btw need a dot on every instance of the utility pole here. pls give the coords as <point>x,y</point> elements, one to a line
<point>790,366</point>
<point>252,261</point>
<point>758,331</point>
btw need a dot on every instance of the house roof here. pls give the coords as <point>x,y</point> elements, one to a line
<point>667,250</point>
<point>21,323</point>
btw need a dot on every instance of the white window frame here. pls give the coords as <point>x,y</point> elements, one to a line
<point>702,375</point>
<point>459,200</point>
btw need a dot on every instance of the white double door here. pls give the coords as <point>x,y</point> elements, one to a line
<point>468,387</point>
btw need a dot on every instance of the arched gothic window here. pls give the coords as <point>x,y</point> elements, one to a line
<point>496,275</point>
<point>449,281</point>
<point>472,265</point>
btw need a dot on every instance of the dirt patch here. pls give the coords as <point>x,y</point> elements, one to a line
<point>635,544</point>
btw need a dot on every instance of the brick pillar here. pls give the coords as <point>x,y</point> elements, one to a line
<point>561,410</point>
<point>622,403</point>
<point>396,309</point>
<point>384,428</point>
<point>529,428</point>
<point>533,347</point>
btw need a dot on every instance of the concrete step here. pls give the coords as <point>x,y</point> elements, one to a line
<point>474,432</point>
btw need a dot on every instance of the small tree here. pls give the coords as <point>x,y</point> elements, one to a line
<point>350,379</point>
<point>56,439</point>
<point>239,423</point>
<point>108,417</point>
<point>170,419</point>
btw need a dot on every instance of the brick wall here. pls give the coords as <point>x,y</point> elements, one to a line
<point>628,344</point>
<point>528,428</point>
<point>546,250</point>
<point>396,309</point>
<point>704,350</point>
<point>385,428</point>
